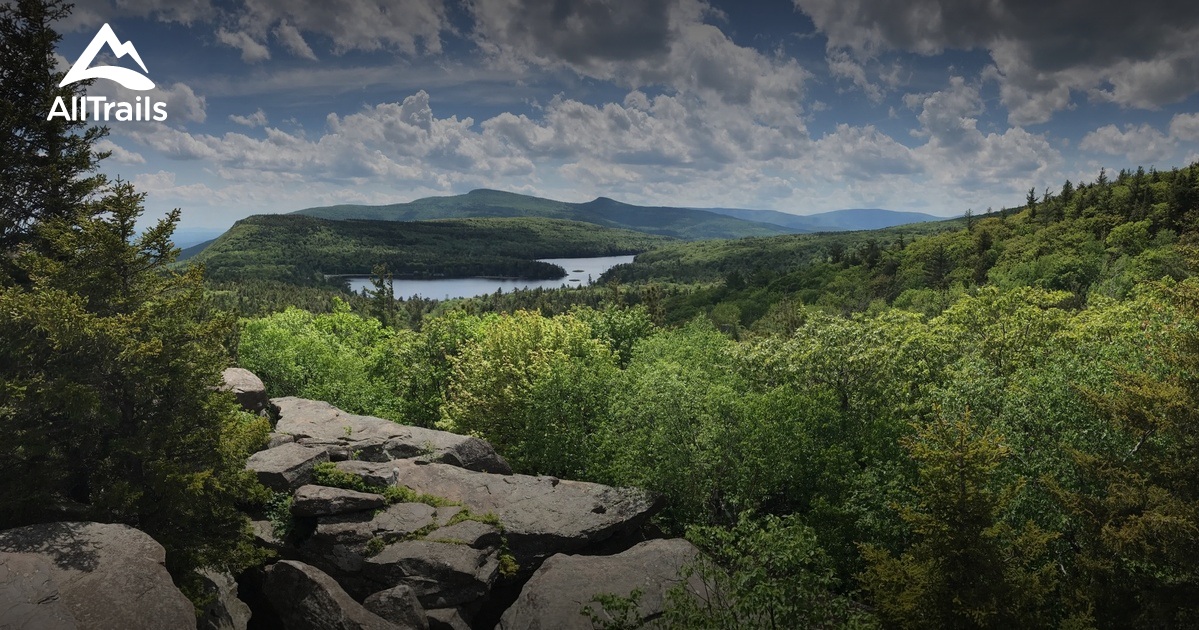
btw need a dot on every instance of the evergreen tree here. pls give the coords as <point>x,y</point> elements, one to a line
<point>109,367</point>
<point>44,164</point>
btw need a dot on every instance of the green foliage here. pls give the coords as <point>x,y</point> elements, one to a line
<point>761,573</point>
<point>536,388</point>
<point>328,474</point>
<point>278,512</point>
<point>110,366</point>
<point>45,165</point>
<point>302,250</point>
<point>967,567</point>
<point>466,515</point>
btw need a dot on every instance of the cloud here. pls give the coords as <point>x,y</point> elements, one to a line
<point>1185,127</point>
<point>1138,143</point>
<point>294,41</point>
<point>1143,56</point>
<point>251,50</point>
<point>667,43</point>
<point>257,119</point>
<point>120,154</point>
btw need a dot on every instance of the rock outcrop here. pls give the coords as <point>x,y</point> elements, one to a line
<point>347,436</point>
<point>224,610</point>
<point>287,466</point>
<point>304,598</point>
<point>541,516</point>
<point>557,593</point>
<point>87,575</point>
<point>399,606</point>
<point>326,501</point>
<point>247,388</point>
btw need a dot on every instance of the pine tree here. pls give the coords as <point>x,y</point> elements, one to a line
<point>45,165</point>
<point>109,365</point>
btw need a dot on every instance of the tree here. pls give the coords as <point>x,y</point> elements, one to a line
<point>109,370</point>
<point>44,164</point>
<point>967,567</point>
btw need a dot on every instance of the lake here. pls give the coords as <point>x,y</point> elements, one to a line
<point>579,272</point>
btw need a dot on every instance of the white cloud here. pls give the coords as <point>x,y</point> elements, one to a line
<point>294,41</point>
<point>1185,127</point>
<point>1137,143</point>
<point>251,50</point>
<point>120,154</point>
<point>257,119</point>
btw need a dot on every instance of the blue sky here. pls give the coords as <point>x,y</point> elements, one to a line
<point>801,106</point>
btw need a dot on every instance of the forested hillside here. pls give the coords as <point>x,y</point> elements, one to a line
<point>998,430</point>
<point>301,250</point>
<point>683,223</point>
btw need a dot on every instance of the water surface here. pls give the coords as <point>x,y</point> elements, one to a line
<point>579,272</point>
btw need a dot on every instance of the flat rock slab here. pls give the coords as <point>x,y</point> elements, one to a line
<point>87,575</point>
<point>541,516</point>
<point>247,388</point>
<point>345,435</point>
<point>325,501</point>
<point>554,597</point>
<point>339,543</point>
<point>440,574</point>
<point>286,467</point>
<point>307,599</point>
<point>469,533</point>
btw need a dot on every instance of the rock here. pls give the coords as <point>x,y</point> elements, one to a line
<point>541,515</point>
<point>345,436</point>
<point>307,599</point>
<point>287,467</point>
<point>339,544</point>
<point>440,574</point>
<point>278,439</point>
<point>225,611</point>
<point>325,501</point>
<point>448,619</point>
<point>399,606</point>
<point>469,533</point>
<point>87,575</point>
<point>247,388</point>
<point>554,597</point>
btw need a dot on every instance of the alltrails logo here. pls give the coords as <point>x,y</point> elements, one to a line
<point>99,107</point>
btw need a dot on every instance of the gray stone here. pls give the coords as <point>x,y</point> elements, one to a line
<point>541,515</point>
<point>440,574</point>
<point>399,606</point>
<point>225,611</point>
<point>554,597</point>
<point>324,501</point>
<point>87,575</point>
<point>307,599</point>
<point>469,533</point>
<point>448,619</point>
<point>345,436</point>
<point>340,543</point>
<point>247,388</point>
<point>278,439</point>
<point>287,467</point>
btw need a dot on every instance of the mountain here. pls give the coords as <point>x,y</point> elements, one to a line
<point>300,249</point>
<point>835,221</point>
<point>681,223</point>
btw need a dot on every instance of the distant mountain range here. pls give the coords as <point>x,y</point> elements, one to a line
<point>681,223</point>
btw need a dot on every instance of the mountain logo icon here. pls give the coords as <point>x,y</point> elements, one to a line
<point>131,79</point>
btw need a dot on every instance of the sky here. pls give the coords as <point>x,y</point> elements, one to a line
<point>801,106</point>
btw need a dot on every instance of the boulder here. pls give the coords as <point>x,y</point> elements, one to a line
<point>278,439</point>
<point>247,388</point>
<point>87,575</point>
<point>286,467</point>
<point>399,606</point>
<point>448,619</point>
<point>469,533</point>
<point>556,594</point>
<point>340,543</point>
<point>541,516</point>
<point>306,599</point>
<point>345,436</point>
<point>224,611</point>
<point>440,574</point>
<point>326,501</point>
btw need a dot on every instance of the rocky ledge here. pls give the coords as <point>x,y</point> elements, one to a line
<point>390,527</point>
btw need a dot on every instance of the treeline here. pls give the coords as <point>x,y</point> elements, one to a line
<point>1016,461</point>
<point>303,250</point>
